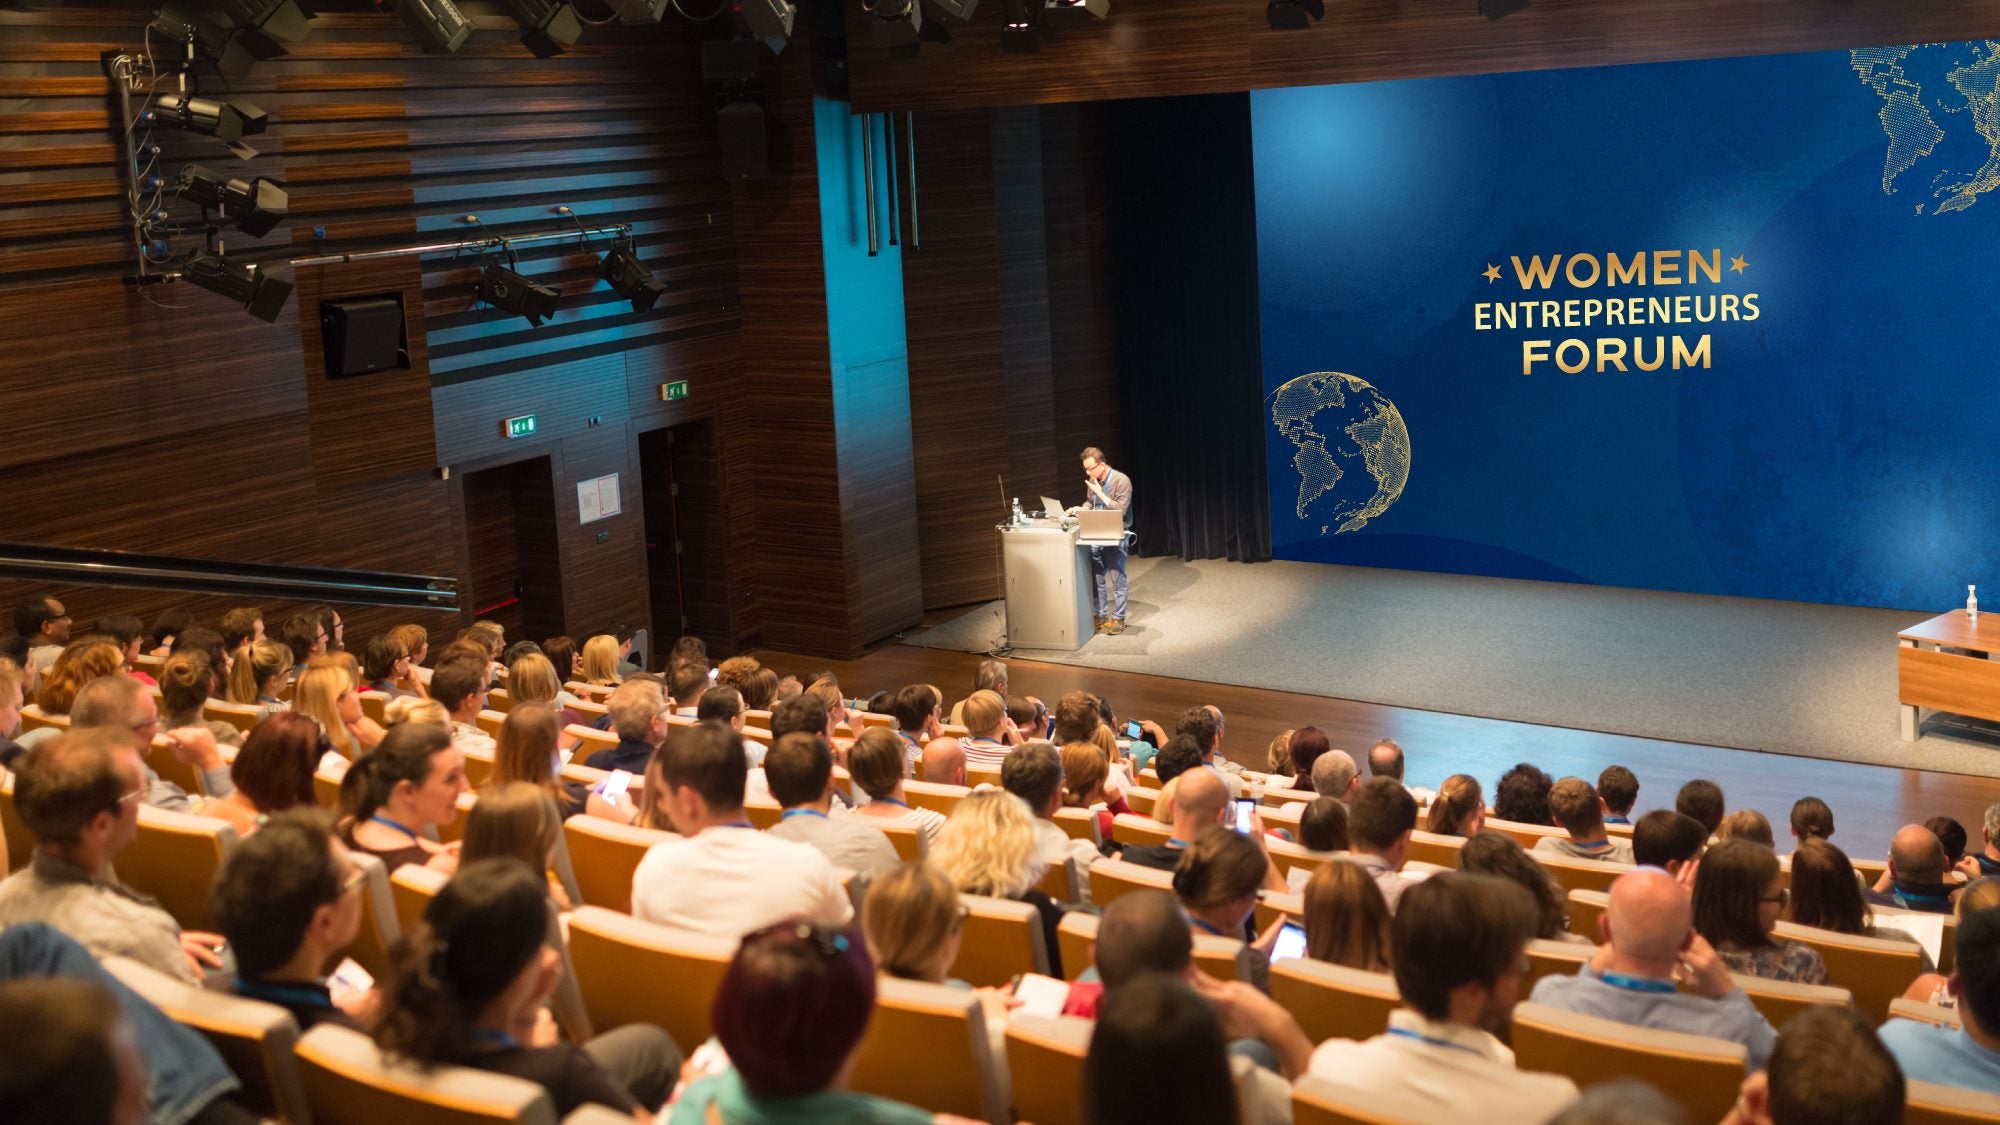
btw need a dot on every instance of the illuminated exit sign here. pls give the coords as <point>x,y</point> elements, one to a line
<point>678,389</point>
<point>524,426</point>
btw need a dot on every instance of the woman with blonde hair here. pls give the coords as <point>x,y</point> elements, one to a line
<point>260,672</point>
<point>526,752</point>
<point>516,820</point>
<point>325,693</point>
<point>1459,809</point>
<point>532,679</point>
<point>990,847</point>
<point>416,709</point>
<point>415,641</point>
<point>1084,774</point>
<point>600,661</point>
<point>1346,918</point>
<point>1278,755</point>
<point>914,921</point>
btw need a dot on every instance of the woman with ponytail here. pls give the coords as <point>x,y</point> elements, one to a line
<point>470,985</point>
<point>258,673</point>
<point>410,783</point>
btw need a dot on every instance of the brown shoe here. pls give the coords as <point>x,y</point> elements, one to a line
<point>1098,624</point>
<point>1115,628</point>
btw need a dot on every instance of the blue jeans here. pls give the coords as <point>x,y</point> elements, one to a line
<point>183,1072</point>
<point>1107,568</point>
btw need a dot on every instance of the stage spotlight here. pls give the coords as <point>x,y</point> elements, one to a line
<point>769,20</point>
<point>510,292</point>
<point>958,9</point>
<point>1025,25</point>
<point>210,43</point>
<point>1500,9</point>
<point>256,205</point>
<point>630,278</point>
<point>899,23</point>
<point>267,27</point>
<point>548,27</point>
<point>1076,13</point>
<point>1294,15</point>
<point>228,120</point>
<point>439,27</point>
<point>638,13</point>
<point>262,295</point>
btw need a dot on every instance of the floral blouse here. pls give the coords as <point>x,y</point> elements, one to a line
<point>1787,960</point>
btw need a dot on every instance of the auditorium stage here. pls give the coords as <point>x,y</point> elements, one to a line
<point>1787,677</point>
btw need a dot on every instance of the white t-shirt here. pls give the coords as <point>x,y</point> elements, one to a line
<point>1461,1072</point>
<point>732,880</point>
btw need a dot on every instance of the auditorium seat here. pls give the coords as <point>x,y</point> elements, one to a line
<point>1548,958</point>
<point>1316,1101</point>
<point>1901,1009</point>
<point>1288,856</point>
<point>1947,946</point>
<point>255,1039</point>
<point>597,693</point>
<point>1580,874</point>
<point>1110,878</point>
<point>242,716</point>
<point>1271,905</point>
<point>33,718</point>
<point>588,740</point>
<point>1131,828</point>
<point>1585,908</point>
<point>575,770</point>
<point>1436,848</point>
<point>161,757</point>
<point>757,719</point>
<point>1063,882</point>
<point>412,888</point>
<point>1079,824</point>
<point>20,842</point>
<point>379,925</point>
<point>872,719</point>
<point>631,971</point>
<point>326,787</point>
<point>148,663</point>
<point>497,699</point>
<point>910,842</point>
<point>1045,1067</point>
<point>1333,1001</point>
<point>1703,1073</point>
<point>455,831</point>
<point>349,1081</point>
<point>953,730</point>
<point>479,766</point>
<point>934,795</point>
<point>1076,937</point>
<point>605,855</point>
<point>1281,798</point>
<point>1142,799</point>
<point>1001,939</point>
<point>1526,835</point>
<point>174,858</point>
<point>589,710</point>
<point>763,815</point>
<point>1780,1000</point>
<point>1927,1103</point>
<point>1284,816</point>
<point>489,721</point>
<point>375,705</point>
<point>1875,970</point>
<point>927,1045</point>
<point>976,776</point>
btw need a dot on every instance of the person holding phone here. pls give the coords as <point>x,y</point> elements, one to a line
<point>1217,881</point>
<point>288,898</point>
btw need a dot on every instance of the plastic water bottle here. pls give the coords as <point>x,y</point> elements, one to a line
<point>1020,517</point>
<point>1972,602</point>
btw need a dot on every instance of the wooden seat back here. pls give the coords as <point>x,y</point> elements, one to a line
<point>1076,938</point>
<point>1079,824</point>
<point>1554,959</point>
<point>380,926</point>
<point>1581,874</point>
<point>1703,1073</point>
<point>1001,939</point>
<point>1585,908</point>
<point>927,1045</point>
<point>941,798</point>
<point>20,842</point>
<point>1927,1103</point>
<point>1130,828</point>
<point>1045,1067</point>
<point>375,705</point>
<point>1875,970</point>
<point>632,971</point>
<point>1333,1001</point>
<point>349,1081</point>
<point>255,1039</point>
<point>1436,848</point>
<point>605,854</point>
<point>174,858</point>
<point>242,716</point>
<point>412,888</point>
<point>1110,878</point>
<point>1316,1101</point>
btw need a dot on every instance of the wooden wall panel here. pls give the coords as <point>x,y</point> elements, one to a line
<point>603,562</point>
<point>1167,47</point>
<point>1025,311</point>
<point>367,428</point>
<point>1083,351</point>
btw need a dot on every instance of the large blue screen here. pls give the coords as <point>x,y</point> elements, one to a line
<point>1723,326</point>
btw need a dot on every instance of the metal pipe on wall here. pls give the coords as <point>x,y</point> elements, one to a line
<point>910,130</point>
<point>868,177</point>
<point>895,187</point>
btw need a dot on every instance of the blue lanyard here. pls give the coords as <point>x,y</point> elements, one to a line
<point>1406,1033</point>
<point>497,1038</point>
<point>1599,843</point>
<point>1905,898</point>
<point>1177,845</point>
<point>403,828</point>
<point>790,813</point>
<point>1205,927</point>
<point>909,739</point>
<point>891,801</point>
<point>1637,984</point>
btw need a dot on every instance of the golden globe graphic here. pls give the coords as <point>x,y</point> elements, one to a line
<point>1353,450</point>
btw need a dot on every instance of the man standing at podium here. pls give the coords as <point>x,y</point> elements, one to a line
<point>1108,488</point>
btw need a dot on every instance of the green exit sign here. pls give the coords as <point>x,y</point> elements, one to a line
<point>524,426</point>
<point>677,389</point>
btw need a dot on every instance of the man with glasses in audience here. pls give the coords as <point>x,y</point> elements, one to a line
<point>79,794</point>
<point>44,623</point>
<point>122,703</point>
<point>289,900</point>
<point>638,714</point>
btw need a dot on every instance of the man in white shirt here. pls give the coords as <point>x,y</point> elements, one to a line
<point>1574,805</point>
<point>1034,773</point>
<point>799,771</point>
<point>991,733</point>
<point>1459,944</point>
<point>1379,824</point>
<point>460,685</point>
<point>44,624</point>
<point>723,876</point>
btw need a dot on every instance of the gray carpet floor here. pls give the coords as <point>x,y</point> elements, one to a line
<point>1788,677</point>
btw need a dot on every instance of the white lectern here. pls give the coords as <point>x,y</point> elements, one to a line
<point>1048,586</point>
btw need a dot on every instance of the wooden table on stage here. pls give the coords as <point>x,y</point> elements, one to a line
<point>1948,681</point>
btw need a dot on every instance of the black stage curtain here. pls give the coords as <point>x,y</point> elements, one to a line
<point>1190,368</point>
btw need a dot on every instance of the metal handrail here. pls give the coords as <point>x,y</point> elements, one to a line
<point>78,566</point>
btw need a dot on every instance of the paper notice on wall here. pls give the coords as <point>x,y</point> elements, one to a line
<point>597,498</point>
<point>607,496</point>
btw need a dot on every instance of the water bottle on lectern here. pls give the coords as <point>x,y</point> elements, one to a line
<point>1972,602</point>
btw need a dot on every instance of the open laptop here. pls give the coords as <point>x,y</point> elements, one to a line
<point>1100,527</point>
<point>1052,507</point>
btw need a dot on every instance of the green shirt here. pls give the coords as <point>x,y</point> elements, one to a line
<point>740,1107</point>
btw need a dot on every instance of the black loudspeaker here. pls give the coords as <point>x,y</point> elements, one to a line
<point>745,153</point>
<point>362,335</point>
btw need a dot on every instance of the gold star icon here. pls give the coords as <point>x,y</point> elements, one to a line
<point>1492,273</point>
<point>1737,264</point>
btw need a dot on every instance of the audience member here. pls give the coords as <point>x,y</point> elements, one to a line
<point>1522,796</point>
<point>129,634</point>
<point>516,820</point>
<point>563,656</point>
<point>1346,920</point>
<point>789,1013</point>
<point>325,694</point>
<point>1308,744</point>
<point>638,711</point>
<point>1623,1101</point>
<point>1034,772</point>
<point>1671,841</point>
<point>1379,824</point>
<point>416,709</point>
<point>305,635</point>
<point>272,772</point>
<point>1458,944</point>
<point>1702,800</point>
<point>1460,807</point>
<point>1576,808</point>
<point>722,876</point>
<point>799,771</point>
<point>943,762</point>
<point>991,731</point>
<point>1811,817</point>
<point>416,640</point>
<point>527,751</point>
<point>1030,715</point>
<point>1738,896</point>
<point>45,624</point>
<point>1747,824</point>
<point>408,783</point>
<point>1085,773</point>
<point>1335,775</point>
<point>460,684</point>
<point>1829,1068</point>
<point>600,661</point>
<point>1968,1055</point>
<point>914,922</point>
<point>1200,802</point>
<point>1077,719</point>
<point>13,682</point>
<point>1323,825</point>
<point>1497,854</point>
<point>119,703</point>
<point>1218,879</point>
<point>385,666</point>
<point>1204,726</point>
<point>916,709</point>
<point>877,766</point>
<point>1827,896</point>
<point>1278,755</point>
<point>1177,757</point>
<point>1618,788</point>
<point>259,673</point>
<point>82,1066</point>
<point>469,987</point>
<point>289,901</point>
<point>81,662</point>
<point>988,847</point>
<point>1915,879</point>
<point>1985,861</point>
<point>1934,988</point>
<point>991,675</point>
<point>78,795</point>
<point>187,682</point>
<point>724,704</point>
<point>1157,1054</point>
<point>241,626</point>
<point>1653,952</point>
<point>1950,834</point>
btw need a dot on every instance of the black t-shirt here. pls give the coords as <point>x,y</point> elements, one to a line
<point>1051,923</point>
<point>1157,856</point>
<point>571,1077</point>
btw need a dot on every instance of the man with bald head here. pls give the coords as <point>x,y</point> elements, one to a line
<point>1200,802</point>
<point>943,762</point>
<point>1651,949</point>
<point>1916,876</point>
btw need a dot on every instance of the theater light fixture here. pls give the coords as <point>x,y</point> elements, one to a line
<point>638,13</point>
<point>1294,15</point>
<point>957,9</point>
<point>262,295</point>
<point>439,27</point>
<point>630,277</point>
<point>266,27</point>
<point>255,205</point>
<point>1024,26</point>
<point>228,120</point>
<point>899,23</point>
<point>769,20</point>
<point>511,292</point>
<point>548,27</point>
<point>1076,13</point>
<point>208,41</point>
